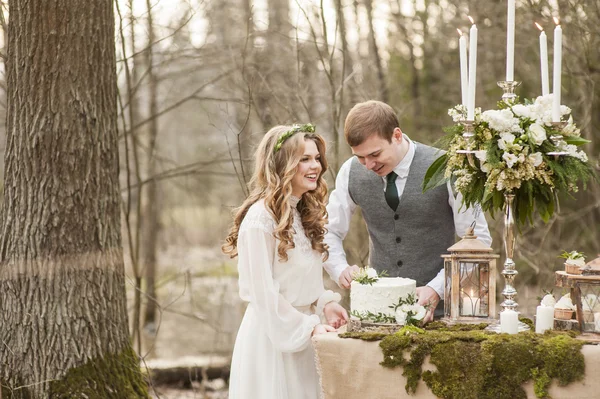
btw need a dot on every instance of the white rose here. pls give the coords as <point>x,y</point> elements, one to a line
<point>481,155</point>
<point>372,272</point>
<point>537,133</point>
<point>400,317</point>
<point>548,300</point>
<point>421,312</point>
<point>510,159</point>
<point>536,159</point>
<point>564,110</point>
<point>485,168</point>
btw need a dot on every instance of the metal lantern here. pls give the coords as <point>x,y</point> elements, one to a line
<point>585,294</point>
<point>470,281</point>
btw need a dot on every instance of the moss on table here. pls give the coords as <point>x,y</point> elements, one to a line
<point>478,364</point>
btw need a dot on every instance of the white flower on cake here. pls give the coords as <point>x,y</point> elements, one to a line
<point>367,275</point>
<point>400,317</point>
<point>565,303</point>
<point>548,301</point>
<point>408,311</point>
<point>372,273</point>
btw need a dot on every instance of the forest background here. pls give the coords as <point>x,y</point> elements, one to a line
<point>200,82</point>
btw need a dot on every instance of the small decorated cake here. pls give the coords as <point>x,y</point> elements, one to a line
<point>564,308</point>
<point>380,294</point>
<point>574,261</point>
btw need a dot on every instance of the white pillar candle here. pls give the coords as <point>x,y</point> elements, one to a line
<point>510,41</point>
<point>464,78</point>
<point>544,319</point>
<point>467,306</point>
<point>556,73</point>
<point>472,71</point>
<point>597,321</point>
<point>544,61</point>
<point>509,321</point>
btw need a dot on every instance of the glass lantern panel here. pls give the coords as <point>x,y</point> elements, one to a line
<point>447,287</point>
<point>590,306</point>
<point>474,289</point>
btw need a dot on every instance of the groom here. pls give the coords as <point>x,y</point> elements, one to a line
<point>408,229</point>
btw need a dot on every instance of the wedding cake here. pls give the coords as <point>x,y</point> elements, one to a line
<point>380,295</point>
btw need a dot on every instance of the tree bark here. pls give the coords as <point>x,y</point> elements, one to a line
<point>62,298</point>
<point>374,50</point>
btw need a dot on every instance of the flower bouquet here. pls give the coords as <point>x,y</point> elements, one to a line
<point>512,151</point>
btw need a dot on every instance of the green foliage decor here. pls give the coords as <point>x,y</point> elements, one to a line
<point>476,364</point>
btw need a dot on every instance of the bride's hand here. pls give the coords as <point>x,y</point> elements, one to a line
<point>322,329</point>
<point>335,314</point>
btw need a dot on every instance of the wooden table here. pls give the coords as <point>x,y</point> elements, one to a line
<point>349,369</point>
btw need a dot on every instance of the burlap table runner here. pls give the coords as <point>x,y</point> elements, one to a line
<point>349,369</point>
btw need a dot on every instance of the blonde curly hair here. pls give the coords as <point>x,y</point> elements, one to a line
<point>272,181</point>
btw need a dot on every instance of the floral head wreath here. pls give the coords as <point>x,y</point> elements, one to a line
<point>308,128</point>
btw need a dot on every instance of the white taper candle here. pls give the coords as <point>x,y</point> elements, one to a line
<point>472,72</point>
<point>464,78</point>
<point>544,61</point>
<point>510,41</point>
<point>557,68</point>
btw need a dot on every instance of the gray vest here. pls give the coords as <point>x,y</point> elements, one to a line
<point>408,242</point>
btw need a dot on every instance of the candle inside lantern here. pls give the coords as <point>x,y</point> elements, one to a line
<point>544,60</point>
<point>470,304</point>
<point>509,321</point>
<point>544,319</point>
<point>510,42</point>
<point>472,70</point>
<point>464,78</point>
<point>557,68</point>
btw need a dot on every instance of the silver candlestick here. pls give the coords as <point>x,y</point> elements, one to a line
<point>509,272</point>
<point>508,86</point>
<point>558,140</point>
<point>468,135</point>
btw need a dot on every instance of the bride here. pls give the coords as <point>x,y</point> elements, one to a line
<point>278,235</point>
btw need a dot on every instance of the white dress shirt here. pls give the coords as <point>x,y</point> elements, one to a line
<point>341,207</point>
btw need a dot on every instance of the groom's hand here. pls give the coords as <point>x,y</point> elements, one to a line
<point>348,275</point>
<point>335,314</point>
<point>428,296</point>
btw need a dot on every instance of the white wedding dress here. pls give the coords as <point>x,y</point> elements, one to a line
<point>273,357</point>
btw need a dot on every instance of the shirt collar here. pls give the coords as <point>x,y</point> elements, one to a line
<point>403,167</point>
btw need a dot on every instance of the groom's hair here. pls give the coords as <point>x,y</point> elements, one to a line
<point>369,118</point>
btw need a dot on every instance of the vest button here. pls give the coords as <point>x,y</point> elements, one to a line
<point>396,217</point>
<point>399,263</point>
<point>398,239</point>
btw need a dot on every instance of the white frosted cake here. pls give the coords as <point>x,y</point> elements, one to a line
<point>382,294</point>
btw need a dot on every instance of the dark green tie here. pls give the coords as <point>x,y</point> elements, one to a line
<point>391,192</point>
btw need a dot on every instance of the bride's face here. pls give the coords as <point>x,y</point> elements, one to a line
<point>308,171</point>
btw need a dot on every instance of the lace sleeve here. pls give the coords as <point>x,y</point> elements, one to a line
<point>258,217</point>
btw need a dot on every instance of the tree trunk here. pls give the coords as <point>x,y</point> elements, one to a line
<point>62,290</point>
<point>374,50</point>
<point>151,224</point>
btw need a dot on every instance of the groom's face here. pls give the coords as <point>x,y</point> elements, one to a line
<point>378,154</point>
